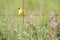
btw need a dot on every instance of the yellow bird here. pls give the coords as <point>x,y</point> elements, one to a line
<point>20,11</point>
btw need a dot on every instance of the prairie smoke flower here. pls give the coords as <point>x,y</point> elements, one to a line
<point>52,16</point>
<point>53,24</point>
<point>53,20</point>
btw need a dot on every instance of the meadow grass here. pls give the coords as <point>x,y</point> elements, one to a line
<point>13,28</point>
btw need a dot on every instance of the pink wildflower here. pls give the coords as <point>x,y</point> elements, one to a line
<point>53,24</point>
<point>52,16</point>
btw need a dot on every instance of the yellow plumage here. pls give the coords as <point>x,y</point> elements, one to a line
<point>20,12</point>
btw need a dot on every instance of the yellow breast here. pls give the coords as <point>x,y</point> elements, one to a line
<point>20,11</point>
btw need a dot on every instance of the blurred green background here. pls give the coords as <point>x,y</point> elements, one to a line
<point>13,28</point>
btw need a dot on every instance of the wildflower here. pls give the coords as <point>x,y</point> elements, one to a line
<point>53,24</point>
<point>20,11</point>
<point>53,20</point>
<point>52,16</point>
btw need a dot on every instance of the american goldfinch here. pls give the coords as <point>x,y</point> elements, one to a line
<point>20,11</point>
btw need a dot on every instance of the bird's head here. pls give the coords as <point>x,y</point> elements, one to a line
<point>19,8</point>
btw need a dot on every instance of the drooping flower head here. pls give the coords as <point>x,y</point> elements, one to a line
<point>52,15</point>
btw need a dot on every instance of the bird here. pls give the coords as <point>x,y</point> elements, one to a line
<point>20,11</point>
